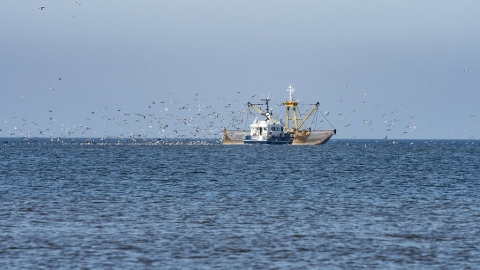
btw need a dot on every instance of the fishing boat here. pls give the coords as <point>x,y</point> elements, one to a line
<point>268,130</point>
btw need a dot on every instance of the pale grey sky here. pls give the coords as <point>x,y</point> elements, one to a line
<point>402,69</point>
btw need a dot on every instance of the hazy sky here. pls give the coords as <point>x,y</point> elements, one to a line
<point>402,69</point>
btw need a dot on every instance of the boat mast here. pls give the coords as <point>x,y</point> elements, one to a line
<point>293,114</point>
<point>267,99</point>
<point>267,113</point>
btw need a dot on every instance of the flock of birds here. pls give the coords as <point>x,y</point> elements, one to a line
<point>388,119</point>
<point>166,120</point>
<point>173,119</point>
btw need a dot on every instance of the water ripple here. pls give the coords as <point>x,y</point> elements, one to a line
<point>210,206</point>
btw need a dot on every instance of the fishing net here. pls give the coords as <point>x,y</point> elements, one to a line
<point>234,136</point>
<point>312,137</point>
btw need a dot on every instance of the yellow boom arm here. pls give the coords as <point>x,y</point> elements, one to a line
<point>260,111</point>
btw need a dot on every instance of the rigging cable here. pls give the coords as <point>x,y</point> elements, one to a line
<point>327,120</point>
<point>314,119</point>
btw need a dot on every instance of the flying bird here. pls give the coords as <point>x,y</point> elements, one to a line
<point>41,8</point>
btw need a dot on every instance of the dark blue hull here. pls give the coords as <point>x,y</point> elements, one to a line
<point>270,140</point>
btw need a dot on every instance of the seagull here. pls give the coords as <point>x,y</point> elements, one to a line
<point>41,8</point>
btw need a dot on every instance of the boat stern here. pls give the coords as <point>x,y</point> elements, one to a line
<point>312,137</point>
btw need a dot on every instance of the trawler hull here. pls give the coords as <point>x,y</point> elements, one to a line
<point>305,137</point>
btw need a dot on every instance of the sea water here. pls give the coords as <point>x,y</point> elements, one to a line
<point>343,205</point>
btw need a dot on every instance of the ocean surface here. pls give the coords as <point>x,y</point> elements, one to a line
<point>347,204</point>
